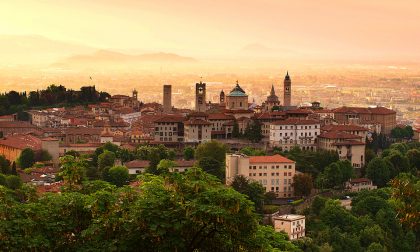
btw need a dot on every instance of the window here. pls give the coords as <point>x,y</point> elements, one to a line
<point>285,174</point>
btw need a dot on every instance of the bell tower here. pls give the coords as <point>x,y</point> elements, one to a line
<point>222,97</point>
<point>287,90</point>
<point>200,97</point>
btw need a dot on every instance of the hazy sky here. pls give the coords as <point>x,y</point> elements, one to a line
<point>386,29</point>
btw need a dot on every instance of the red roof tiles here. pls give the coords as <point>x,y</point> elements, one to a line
<point>270,159</point>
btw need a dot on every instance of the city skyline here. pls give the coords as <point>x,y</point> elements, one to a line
<point>373,31</point>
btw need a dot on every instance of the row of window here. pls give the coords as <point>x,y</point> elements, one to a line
<point>165,128</point>
<point>254,167</point>
<point>272,174</point>
<point>291,134</point>
<point>299,127</point>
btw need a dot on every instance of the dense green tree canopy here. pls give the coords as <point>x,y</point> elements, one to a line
<point>174,212</point>
<point>26,158</point>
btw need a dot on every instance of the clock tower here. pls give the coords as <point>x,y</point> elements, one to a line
<point>287,91</point>
<point>200,97</point>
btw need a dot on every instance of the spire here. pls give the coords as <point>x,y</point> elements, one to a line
<point>287,76</point>
<point>272,92</point>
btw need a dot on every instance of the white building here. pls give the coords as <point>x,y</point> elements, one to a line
<point>292,224</point>
<point>197,131</point>
<point>294,132</point>
<point>275,173</point>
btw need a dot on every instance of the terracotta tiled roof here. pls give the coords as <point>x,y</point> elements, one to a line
<point>82,131</point>
<point>220,116</point>
<point>360,110</point>
<point>16,124</point>
<point>359,180</point>
<point>292,121</point>
<point>269,159</point>
<point>338,135</point>
<point>184,163</point>
<point>22,141</point>
<point>270,115</point>
<point>348,143</point>
<point>197,122</point>
<point>197,114</point>
<point>299,111</point>
<point>137,164</point>
<point>347,127</point>
<point>170,118</point>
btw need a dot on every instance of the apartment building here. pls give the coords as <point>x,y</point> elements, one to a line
<point>386,117</point>
<point>169,128</point>
<point>348,146</point>
<point>289,133</point>
<point>275,173</point>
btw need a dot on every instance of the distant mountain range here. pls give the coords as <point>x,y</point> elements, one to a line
<point>38,50</point>
<point>112,57</point>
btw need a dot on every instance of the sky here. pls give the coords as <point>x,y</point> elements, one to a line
<point>374,29</point>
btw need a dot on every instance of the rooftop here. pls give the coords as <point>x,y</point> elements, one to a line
<point>270,159</point>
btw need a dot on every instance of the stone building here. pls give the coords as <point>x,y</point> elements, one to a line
<point>271,101</point>
<point>289,133</point>
<point>387,118</point>
<point>237,99</point>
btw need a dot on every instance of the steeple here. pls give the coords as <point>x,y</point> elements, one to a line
<point>287,76</point>
<point>272,92</point>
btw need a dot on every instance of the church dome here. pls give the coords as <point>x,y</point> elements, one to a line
<point>237,91</point>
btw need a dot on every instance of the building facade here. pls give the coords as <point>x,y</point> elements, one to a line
<point>169,128</point>
<point>292,224</point>
<point>289,133</point>
<point>348,146</point>
<point>197,131</point>
<point>275,173</point>
<point>387,118</point>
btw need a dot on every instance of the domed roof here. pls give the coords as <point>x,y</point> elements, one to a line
<point>237,91</point>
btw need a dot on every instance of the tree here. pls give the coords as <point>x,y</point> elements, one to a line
<point>118,175</point>
<point>369,155</point>
<point>335,174</point>
<point>4,165</point>
<point>212,149</point>
<point>302,184</point>
<point>235,130</point>
<point>253,132</point>
<point>73,171</point>
<point>3,180</point>
<point>44,156</point>
<point>188,153</point>
<point>13,182</point>
<point>254,190</point>
<point>400,163</point>
<point>212,166</point>
<point>379,171</point>
<point>406,193</point>
<point>413,156</point>
<point>250,151</point>
<point>105,161</point>
<point>73,153</point>
<point>165,165</point>
<point>191,211</point>
<point>26,158</point>
<point>14,171</point>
